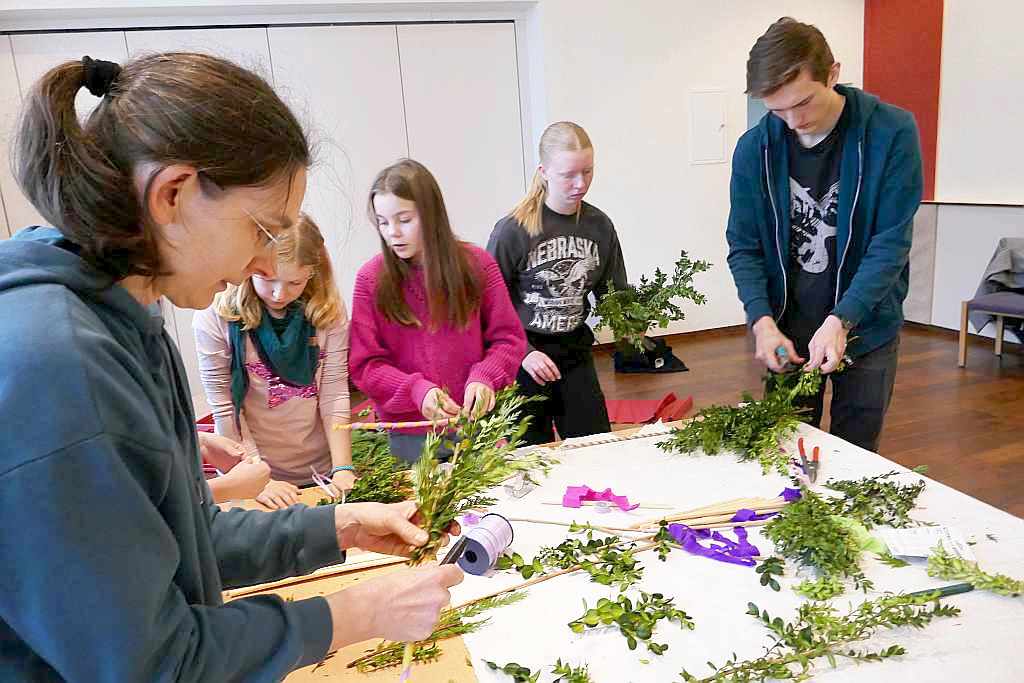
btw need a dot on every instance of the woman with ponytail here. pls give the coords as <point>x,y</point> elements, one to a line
<point>183,180</point>
<point>554,250</point>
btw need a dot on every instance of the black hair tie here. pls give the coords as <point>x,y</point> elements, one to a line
<point>99,75</point>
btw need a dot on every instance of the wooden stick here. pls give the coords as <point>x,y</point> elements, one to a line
<point>534,581</point>
<point>383,561</point>
<point>720,509</point>
<point>725,517</point>
<point>733,504</point>
<point>356,426</point>
<point>609,529</point>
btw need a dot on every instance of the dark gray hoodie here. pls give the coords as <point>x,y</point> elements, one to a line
<point>113,555</point>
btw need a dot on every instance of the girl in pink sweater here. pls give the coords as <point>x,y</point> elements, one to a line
<point>433,329</point>
<point>272,359</point>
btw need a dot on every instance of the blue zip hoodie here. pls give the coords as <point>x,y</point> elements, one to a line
<point>880,186</point>
<point>114,557</point>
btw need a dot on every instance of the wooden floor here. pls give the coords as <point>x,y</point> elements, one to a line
<point>966,424</point>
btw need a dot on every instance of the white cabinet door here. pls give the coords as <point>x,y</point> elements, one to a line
<point>461,87</point>
<point>34,55</point>
<point>343,83</point>
<point>10,100</point>
<point>248,48</point>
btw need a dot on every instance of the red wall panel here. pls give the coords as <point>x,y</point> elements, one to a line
<point>902,65</point>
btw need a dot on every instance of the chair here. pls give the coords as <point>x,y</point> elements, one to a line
<point>1000,305</point>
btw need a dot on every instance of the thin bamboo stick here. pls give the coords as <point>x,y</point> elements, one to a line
<point>608,529</point>
<point>724,517</point>
<point>382,561</point>
<point>356,426</point>
<point>534,581</point>
<point>720,509</point>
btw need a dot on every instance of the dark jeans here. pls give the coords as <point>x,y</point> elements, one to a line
<point>574,405</point>
<point>409,447</point>
<point>860,397</point>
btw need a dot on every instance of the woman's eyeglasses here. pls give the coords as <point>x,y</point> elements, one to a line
<point>270,238</point>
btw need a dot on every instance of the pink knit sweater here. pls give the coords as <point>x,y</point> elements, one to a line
<point>396,365</point>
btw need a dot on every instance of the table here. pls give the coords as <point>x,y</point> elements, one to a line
<point>979,644</point>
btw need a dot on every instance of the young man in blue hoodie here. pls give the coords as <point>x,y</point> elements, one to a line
<point>823,195</point>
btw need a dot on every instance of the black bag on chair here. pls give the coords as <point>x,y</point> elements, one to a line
<point>656,357</point>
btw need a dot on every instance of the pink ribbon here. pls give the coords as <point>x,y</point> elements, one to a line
<point>575,496</point>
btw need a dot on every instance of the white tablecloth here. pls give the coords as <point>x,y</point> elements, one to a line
<point>981,645</point>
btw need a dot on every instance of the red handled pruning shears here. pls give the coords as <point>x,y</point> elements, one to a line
<point>810,467</point>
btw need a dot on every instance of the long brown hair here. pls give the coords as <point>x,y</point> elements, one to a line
<point>785,49</point>
<point>452,280</point>
<point>563,136</point>
<point>302,245</point>
<point>162,109</point>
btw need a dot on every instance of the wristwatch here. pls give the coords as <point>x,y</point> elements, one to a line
<point>846,322</point>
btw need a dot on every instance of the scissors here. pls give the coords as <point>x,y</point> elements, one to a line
<point>809,467</point>
<point>325,485</point>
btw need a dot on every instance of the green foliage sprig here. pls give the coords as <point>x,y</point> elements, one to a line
<point>517,672</point>
<point>942,565</point>
<point>753,430</point>
<point>570,674</point>
<point>823,588</point>
<point>630,312</point>
<point>482,457</point>
<point>769,568</point>
<point>564,673</point>
<point>383,478</point>
<point>819,632</point>
<point>806,531</point>
<point>635,622</point>
<point>602,558</point>
<point>890,560</point>
<point>451,623</point>
<point>664,542</point>
<point>876,501</point>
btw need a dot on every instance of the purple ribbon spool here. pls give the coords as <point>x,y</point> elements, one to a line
<point>485,543</point>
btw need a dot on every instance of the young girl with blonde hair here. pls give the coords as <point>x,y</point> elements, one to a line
<point>272,358</point>
<point>554,250</point>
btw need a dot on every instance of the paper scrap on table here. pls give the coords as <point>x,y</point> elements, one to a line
<point>654,429</point>
<point>920,541</point>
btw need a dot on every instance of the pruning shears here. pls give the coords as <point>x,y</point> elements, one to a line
<point>783,357</point>
<point>810,467</point>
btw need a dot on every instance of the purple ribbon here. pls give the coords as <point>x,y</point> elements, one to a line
<point>789,495</point>
<point>748,515</point>
<point>721,548</point>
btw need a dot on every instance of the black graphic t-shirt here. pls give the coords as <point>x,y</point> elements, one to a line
<point>814,205</point>
<point>550,277</point>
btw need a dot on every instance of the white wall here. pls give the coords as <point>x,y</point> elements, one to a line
<point>966,237</point>
<point>980,103</point>
<point>363,108</point>
<point>624,70</point>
